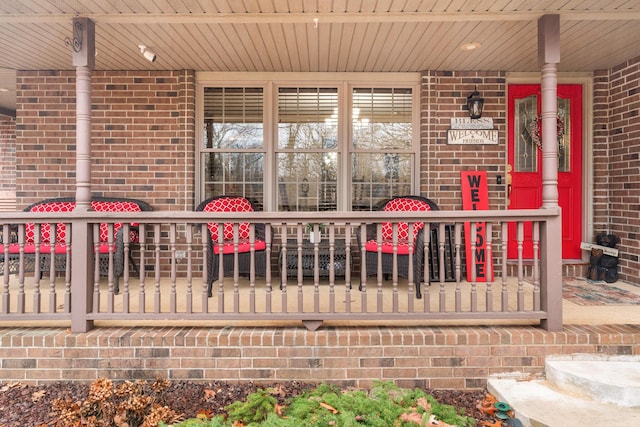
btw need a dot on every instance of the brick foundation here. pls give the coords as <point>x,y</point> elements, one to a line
<point>436,357</point>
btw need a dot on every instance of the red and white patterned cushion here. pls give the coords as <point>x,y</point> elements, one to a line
<point>45,229</point>
<point>229,204</point>
<point>402,247</point>
<point>404,205</point>
<point>114,206</point>
<point>61,228</point>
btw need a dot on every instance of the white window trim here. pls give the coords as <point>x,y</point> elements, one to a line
<point>345,82</point>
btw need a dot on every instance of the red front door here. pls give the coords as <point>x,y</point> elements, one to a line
<point>525,160</point>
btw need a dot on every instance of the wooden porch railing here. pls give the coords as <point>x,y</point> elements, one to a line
<point>165,276</point>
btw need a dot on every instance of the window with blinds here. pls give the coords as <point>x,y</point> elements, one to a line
<point>382,154</point>
<point>233,142</point>
<point>326,151</point>
<point>307,154</point>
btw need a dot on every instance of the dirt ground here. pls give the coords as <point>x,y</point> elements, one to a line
<point>29,405</point>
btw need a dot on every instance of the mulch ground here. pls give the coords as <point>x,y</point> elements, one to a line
<point>30,405</point>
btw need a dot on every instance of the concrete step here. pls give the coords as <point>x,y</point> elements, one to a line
<point>578,390</point>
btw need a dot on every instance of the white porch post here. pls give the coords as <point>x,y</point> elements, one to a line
<point>81,237</point>
<point>551,253</point>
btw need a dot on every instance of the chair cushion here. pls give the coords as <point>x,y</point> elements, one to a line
<point>387,246</point>
<point>30,248</point>
<point>403,204</point>
<point>115,206</point>
<point>59,248</point>
<point>45,229</point>
<point>243,246</point>
<point>229,204</point>
<point>61,228</point>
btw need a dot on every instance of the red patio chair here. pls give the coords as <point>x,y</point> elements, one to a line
<point>386,245</point>
<point>59,241</point>
<point>233,204</point>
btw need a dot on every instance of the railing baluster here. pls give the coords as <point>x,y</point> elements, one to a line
<point>347,268</point>
<point>268,284</point>
<point>426,259</point>
<point>489,291</point>
<point>474,292</point>
<point>189,248</point>
<point>505,293</point>
<point>363,268</point>
<point>6,241</point>
<point>299,239</point>
<point>157,300</point>
<point>126,297</point>
<point>284,272</point>
<point>52,275</point>
<point>21,273</point>
<point>236,267</point>
<point>536,265</point>
<point>252,268</point>
<point>173,303</point>
<point>520,239</point>
<point>142,241</point>
<point>220,244</point>
<point>332,273</point>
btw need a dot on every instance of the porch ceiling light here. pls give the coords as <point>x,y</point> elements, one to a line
<point>474,104</point>
<point>470,46</point>
<point>148,54</point>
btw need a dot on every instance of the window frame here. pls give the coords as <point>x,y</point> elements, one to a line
<point>271,82</point>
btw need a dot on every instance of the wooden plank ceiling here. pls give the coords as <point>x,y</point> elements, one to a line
<point>318,35</point>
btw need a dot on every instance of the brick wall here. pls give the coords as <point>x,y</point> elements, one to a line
<point>436,357</point>
<point>142,136</point>
<point>443,95</point>
<point>143,141</point>
<point>601,150</point>
<point>623,163</point>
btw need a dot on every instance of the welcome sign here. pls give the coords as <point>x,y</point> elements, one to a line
<point>475,196</point>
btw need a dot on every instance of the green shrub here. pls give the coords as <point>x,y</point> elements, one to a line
<point>326,405</point>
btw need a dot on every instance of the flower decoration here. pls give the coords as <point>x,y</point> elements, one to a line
<point>535,130</point>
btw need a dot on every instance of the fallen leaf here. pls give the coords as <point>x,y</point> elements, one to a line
<point>424,404</point>
<point>412,417</point>
<point>277,391</point>
<point>209,394</point>
<point>35,396</point>
<point>204,414</point>
<point>487,405</point>
<point>329,407</point>
<point>498,423</point>
<point>10,386</point>
<point>279,409</point>
<point>433,421</point>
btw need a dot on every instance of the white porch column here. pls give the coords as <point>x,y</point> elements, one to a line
<point>81,236</point>
<point>548,58</point>
<point>551,231</point>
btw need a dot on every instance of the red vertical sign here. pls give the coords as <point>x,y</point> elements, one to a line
<point>475,196</point>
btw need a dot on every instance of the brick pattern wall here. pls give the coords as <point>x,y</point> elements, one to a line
<point>623,162</point>
<point>142,136</point>
<point>601,150</point>
<point>436,357</point>
<point>443,95</point>
<point>143,127</point>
